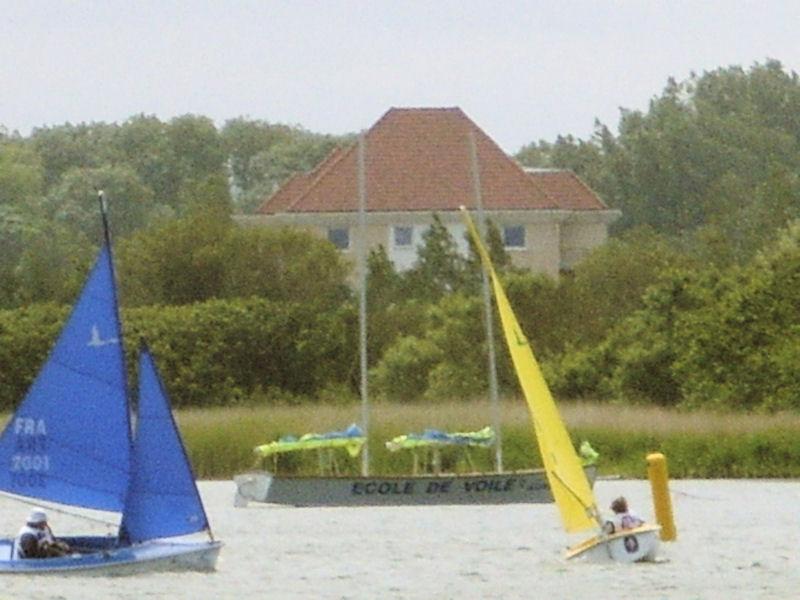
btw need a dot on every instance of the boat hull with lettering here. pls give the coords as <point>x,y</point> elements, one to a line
<point>515,487</point>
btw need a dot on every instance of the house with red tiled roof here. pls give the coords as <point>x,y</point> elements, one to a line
<point>421,161</point>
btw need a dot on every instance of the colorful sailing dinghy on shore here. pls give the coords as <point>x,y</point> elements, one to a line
<point>569,485</point>
<point>71,442</point>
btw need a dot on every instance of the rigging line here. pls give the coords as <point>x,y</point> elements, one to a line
<point>590,510</point>
<point>696,496</point>
<point>55,509</point>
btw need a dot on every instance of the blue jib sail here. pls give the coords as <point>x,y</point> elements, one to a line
<point>69,441</point>
<point>163,500</point>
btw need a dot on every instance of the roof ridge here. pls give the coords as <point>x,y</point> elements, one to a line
<point>278,190</point>
<point>419,159</point>
<point>586,187</point>
<point>529,181</point>
<point>334,157</point>
<point>538,175</point>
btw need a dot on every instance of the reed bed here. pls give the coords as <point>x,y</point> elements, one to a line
<point>697,444</point>
<point>663,421</point>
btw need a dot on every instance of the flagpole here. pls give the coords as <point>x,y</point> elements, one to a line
<point>362,308</point>
<point>487,303</point>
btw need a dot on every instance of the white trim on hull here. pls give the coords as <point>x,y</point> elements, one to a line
<point>150,556</point>
<point>478,488</point>
<point>632,545</point>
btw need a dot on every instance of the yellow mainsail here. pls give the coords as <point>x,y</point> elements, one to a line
<point>568,483</point>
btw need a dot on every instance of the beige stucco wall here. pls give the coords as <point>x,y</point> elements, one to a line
<point>542,249</point>
<point>580,233</point>
<point>554,239</point>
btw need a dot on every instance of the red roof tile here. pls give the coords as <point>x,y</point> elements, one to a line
<point>567,190</point>
<point>287,193</point>
<point>418,159</point>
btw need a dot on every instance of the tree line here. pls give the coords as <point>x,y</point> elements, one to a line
<point>689,304</point>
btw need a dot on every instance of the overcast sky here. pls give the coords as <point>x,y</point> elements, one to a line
<point>523,71</point>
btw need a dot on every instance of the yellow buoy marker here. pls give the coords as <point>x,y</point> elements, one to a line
<point>657,473</point>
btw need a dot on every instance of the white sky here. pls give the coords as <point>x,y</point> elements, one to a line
<point>522,70</point>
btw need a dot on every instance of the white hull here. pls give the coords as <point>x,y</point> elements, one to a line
<point>106,559</point>
<point>633,545</point>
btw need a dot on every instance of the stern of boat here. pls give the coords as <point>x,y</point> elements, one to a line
<point>253,486</point>
<point>633,545</point>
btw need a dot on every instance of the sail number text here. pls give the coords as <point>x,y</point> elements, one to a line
<point>31,462</point>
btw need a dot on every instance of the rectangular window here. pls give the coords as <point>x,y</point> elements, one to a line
<point>402,237</point>
<point>339,237</point>
<point>514,236</point>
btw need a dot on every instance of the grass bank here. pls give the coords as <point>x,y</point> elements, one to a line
<point>696,444</point>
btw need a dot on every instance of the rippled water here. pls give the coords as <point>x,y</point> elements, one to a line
<point>736,539</point>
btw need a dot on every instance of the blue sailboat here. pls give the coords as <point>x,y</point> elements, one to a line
<point>71,442</point>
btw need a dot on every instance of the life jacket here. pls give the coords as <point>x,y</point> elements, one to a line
<point>26,530</point>
<point>629,521</point>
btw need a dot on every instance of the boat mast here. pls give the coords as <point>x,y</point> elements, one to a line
<point>362,304</point>
<point>487,303</point>
<point>101,199</point>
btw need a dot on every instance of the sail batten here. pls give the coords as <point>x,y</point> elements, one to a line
<point>568,483</point>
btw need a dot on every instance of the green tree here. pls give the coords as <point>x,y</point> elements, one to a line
<point>402,373</point>
<point>179,261</point>
<point>199,161</point>
<point>646,344</point>
<point>609,284</point>
<point>440,267</point>
<point>738,348</point>
<point>299,153</point>
<point>14,227</point>
<point>454,327</point>
<point>286,265</point>
<point>244,140</point>
<point>222,352</point>
<point>668,165</point>
<point>65,147</point>
<point>73,201</point>
<point>391,311</point>
<point>142,143</point>
<point>21,175</point>
<point>26,336</point>
<point>52,265</point>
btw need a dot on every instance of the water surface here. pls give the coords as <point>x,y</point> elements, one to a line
<point>736,539</point>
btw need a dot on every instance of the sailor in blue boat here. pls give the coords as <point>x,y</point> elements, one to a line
<point>623,517</point>
<point>35,539</point>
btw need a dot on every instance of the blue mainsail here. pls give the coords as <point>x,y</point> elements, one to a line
<point>163,500</point>
<point>70,442</point>
<point>50,448</point>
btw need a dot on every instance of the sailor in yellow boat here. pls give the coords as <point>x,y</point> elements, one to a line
<point>623,517</point>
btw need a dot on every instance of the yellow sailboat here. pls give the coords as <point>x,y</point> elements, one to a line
<point>568,483</point>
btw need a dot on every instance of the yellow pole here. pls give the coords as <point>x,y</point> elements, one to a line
<point>657,473</point>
